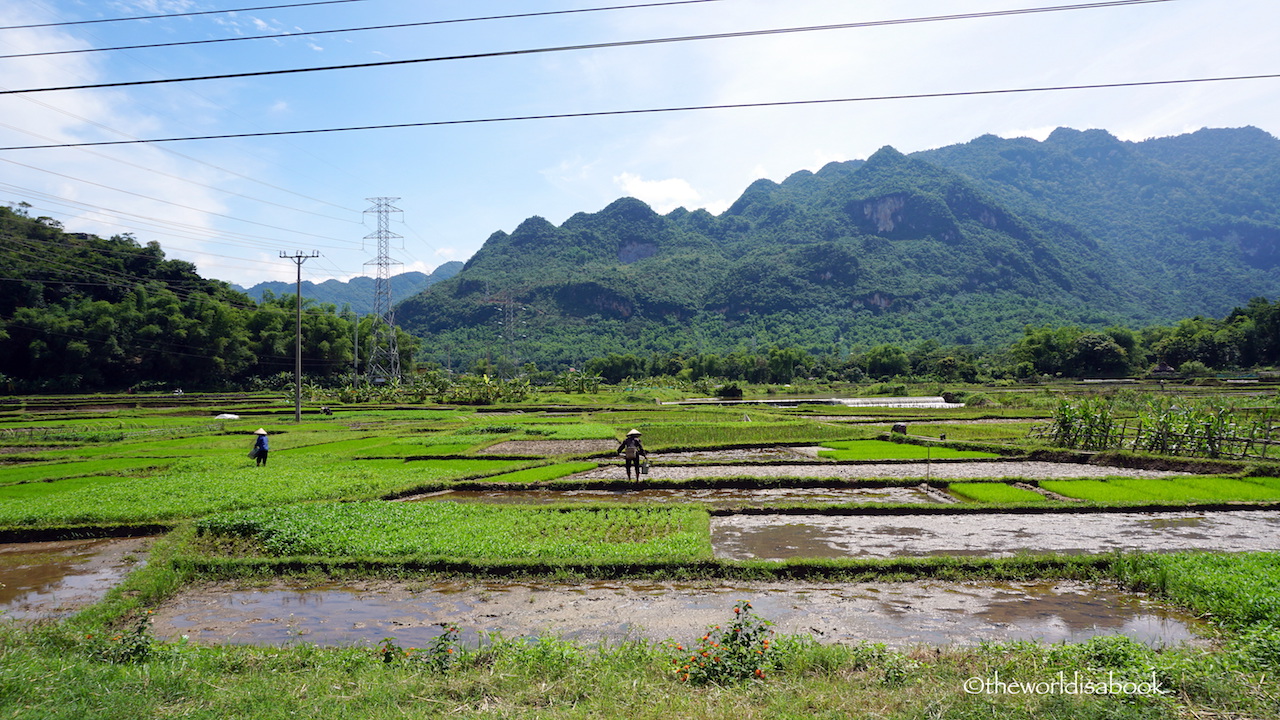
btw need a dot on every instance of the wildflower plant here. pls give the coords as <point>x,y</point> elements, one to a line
<point>725,654</point>
<point>130,646</point>
<point>439,655</point>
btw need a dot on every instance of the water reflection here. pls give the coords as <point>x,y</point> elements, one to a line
<point>713,497</point>
<point>779,537</point>
<point>898,614</point>
<point>52,579</point>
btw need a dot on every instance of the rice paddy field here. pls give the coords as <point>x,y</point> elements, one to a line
<point>328,506</point>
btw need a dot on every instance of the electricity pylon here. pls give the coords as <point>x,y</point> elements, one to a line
<point>383,364</point>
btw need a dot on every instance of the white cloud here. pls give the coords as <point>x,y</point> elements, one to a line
<point>661,195</point>
<point>1037,133</point>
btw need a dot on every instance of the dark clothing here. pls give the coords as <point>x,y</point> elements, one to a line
<point>631,451</point>
<point>260,450</point>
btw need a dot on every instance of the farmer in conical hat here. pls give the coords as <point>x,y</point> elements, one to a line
<point>259,452</point>
<point>631,450</point>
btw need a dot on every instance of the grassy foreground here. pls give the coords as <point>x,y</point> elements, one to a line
<point>55,674</point>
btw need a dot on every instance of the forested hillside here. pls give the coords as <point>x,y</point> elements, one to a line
<point>968,244</point>
<point>82,312</point>
<point>1197,216</point>
<point>355,294</point>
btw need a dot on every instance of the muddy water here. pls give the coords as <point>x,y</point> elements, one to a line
<point>778,537</point>
<point>950,470</point>
<point>898,614</point>
<point>713,497</point>
<point>54,579</point>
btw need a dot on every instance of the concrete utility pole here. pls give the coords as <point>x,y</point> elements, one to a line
<point>298,258</point>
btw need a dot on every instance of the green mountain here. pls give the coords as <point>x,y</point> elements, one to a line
<point>1196,216</point>
<point>965,244</point>
<point>356,293</point>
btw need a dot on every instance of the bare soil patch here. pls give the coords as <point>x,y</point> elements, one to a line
<point>552,447</point>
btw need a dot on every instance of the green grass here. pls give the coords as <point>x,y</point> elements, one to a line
<point>1241,591</point>
<point>570,431</point>
<point>885,450</point>
<point>58,673</point>
<point>658,435</point>
<point>200,486</point>
<point>995,492</point>
<point>464,467</point>
<point>197,446</point>
<point>30,490</point>
<point>42,472</point>
<point>539,427</point>
<point>471,531</point>
<point>410,448</point>
<point>543,473</point>
<point>976,432</point>
<point>346,448</point>
<point>1180,489</point>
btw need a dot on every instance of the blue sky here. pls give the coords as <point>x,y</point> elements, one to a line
<point>232,205</point>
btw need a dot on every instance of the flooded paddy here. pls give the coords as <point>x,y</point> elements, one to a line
<point>937,469</point>
<point>55,579</point>
<point>898,614</point>
<point>712,497</point>
<point>779,537</point>
<point>926,403</point>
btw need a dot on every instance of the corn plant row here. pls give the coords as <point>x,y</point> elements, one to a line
<point>1187,428</point>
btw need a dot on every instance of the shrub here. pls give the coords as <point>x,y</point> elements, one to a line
<point>729,391</point>
<point>439,656</point>
<point>743,650</point>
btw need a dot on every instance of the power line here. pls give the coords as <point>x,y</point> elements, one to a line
<point>186,179</point>
<point>166,202</point>
<point>684,108</point>
<point>175,153</point>
<point>591,46</point>
<point>175,15</point>
<point>396,26</point>
<point>169,228</point>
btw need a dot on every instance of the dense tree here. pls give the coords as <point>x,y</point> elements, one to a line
<point>886,361</point>
<point>80,312</point>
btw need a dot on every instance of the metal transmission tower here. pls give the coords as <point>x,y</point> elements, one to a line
<point>383,364</point>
